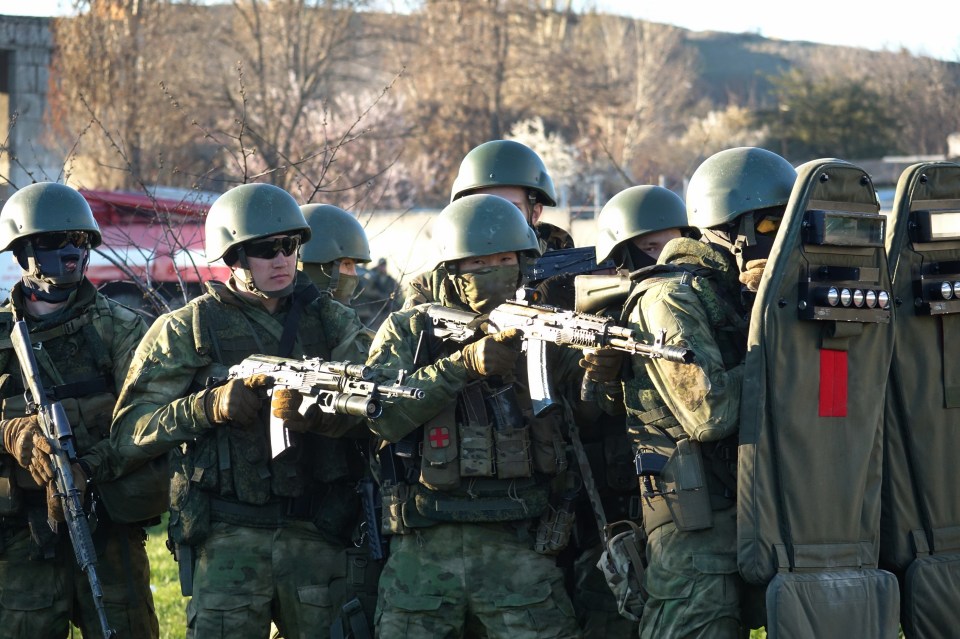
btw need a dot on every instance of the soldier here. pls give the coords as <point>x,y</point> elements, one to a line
<point>513,171</point>
<point>632,229</point>
<point>467,474</point>
<point>83,343</point>
<point>378,295</point>
<point>687,416</point>
<point>258,538</point>
<point>337,245</point>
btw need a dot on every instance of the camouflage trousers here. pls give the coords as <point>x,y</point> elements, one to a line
<point>481,580</point>
<point>40,597</point>
<point>596,606</point>
<point>694,586</point>
<point>245,577</point>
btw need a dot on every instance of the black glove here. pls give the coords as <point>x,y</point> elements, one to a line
<point>493,355</point>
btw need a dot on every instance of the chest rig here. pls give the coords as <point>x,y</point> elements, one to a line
<point>228,474</point>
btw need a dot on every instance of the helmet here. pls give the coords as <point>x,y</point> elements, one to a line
<point>46,207</point>
<point>249,211</point>
<point>636,211</point>
<point>735,181</point>
<point>336,234</point>
<point>482,224</point>
<point>504,163</point>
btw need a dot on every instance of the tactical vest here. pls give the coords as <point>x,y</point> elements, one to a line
<point>228,474</point>
<point>484,458</point>
<point>662,445</point>
<point>76,370</point>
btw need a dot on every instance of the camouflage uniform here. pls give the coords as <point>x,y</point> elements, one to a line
<point>692,579</point>
<point>83,352</point>
<point>267,536</point>
<point>461,559</point>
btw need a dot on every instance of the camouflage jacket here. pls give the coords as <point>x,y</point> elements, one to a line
<point>161,404</point>
<point>83,352</point>
<point>702,312</point>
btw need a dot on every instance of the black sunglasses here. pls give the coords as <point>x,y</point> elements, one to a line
<point>56,241</point>
<point>268,249</point>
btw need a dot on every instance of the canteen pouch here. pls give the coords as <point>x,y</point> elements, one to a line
<point>686,494</point>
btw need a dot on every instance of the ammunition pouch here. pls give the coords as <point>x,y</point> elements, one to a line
<point>556,525</point>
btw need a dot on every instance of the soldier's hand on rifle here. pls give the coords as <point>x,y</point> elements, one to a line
<point>236,401</point>
<point>55,501</point>
<point>285,406</point>
<point>24,440</point>
<point>493,355</point>
<point>751,276</point>
<point>602,365</point>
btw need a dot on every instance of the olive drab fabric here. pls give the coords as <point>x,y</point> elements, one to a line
<point>810,457</point>
<point>920,525</point>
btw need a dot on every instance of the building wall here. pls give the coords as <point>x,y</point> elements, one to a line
<point>26,46</point>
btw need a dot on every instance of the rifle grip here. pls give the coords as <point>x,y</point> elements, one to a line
<point>588,390</point>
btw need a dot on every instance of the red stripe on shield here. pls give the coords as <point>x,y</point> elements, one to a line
<point>833,383</point>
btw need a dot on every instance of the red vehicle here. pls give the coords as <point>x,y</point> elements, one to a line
<point>152,252</point>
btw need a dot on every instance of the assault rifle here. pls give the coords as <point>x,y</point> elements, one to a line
<point>339,388</point>
<point>542,324</point>
<point>56,428</point>
<point>552,274</point>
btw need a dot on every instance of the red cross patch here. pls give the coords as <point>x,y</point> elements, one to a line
<point>439,437</point>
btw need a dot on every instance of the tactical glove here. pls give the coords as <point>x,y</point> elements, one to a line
<point>751,276</point>
<point>285,406</point>
<point>24,441</point>
<point>493,355</point>
<point>236,401</point>
<point>602,365</point>
<point>55,502</point>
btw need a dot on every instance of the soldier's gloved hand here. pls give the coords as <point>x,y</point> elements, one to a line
<point>285,406</point>
<point>236,401</point>
<point>601,365</point>
<point>21,437</point>
<point>55,502</point>
<point>493,355</point>
<point>754,271</point>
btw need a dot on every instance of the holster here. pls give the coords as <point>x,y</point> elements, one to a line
<point>682,495</point>
<point>184,557</point>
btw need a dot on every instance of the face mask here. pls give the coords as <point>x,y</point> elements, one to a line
<point>346,287</point>
<point>487,288</point>
<point>51,280</point>
<point>636,258</point>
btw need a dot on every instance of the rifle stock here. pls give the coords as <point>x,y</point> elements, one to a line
<point>56,428</point>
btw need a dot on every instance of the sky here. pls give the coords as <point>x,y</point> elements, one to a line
<point>924,28</point>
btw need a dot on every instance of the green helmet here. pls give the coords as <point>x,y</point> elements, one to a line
<point>250,211</point>
<point>636,211</point>
<point>482,224</point>
<point>336,235</point>
<point>735,181</point>
<point>504,163</point>
<point>46,207</point>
